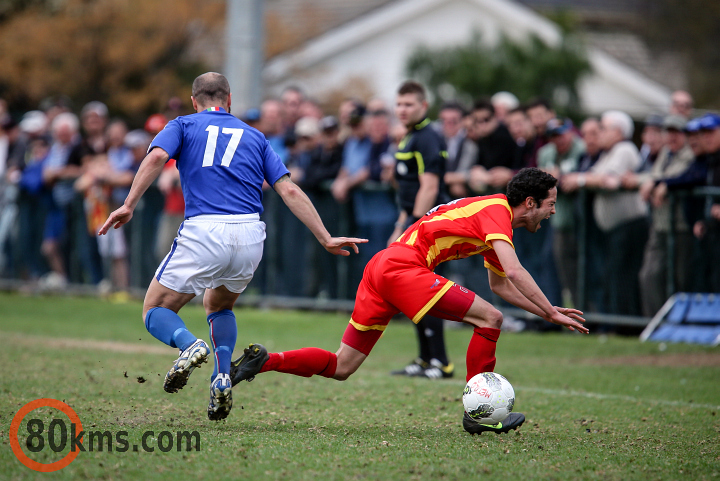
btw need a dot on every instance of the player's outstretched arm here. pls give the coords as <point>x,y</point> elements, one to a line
<point>300,205</point>
<point>523,283</point>
<point>507,290</point>
<point>149,170</point>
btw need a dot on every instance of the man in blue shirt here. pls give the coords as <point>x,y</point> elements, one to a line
<point>223,163</point>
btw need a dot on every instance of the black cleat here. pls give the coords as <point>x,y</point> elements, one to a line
<point>415,368</point>
<point>249,364</point>
<point>438,370</point>
<point>513,421</point>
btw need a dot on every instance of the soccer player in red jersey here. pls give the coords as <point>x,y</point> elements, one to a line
<point>401,279</point>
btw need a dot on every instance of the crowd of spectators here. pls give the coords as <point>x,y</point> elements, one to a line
<point>608,247</point>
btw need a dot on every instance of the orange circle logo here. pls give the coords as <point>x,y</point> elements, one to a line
<point>15,426</point>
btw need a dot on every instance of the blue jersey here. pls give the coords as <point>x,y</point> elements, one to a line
<point>222,162</point>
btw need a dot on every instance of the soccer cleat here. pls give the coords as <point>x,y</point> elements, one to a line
<point>189,359</point>
<point>415,368</point>
<point>438,370</point>
<point>220,398</point>
<point>249,364</point>
<point>513,421</point>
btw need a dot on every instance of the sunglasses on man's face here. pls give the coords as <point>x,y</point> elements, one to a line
<point>483,120</point>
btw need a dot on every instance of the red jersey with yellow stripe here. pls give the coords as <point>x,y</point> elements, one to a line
<point>462,228</point>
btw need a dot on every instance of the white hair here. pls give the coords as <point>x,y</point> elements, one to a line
<point>621,121</point>
<point>506,99</point>
<point>68,119</point>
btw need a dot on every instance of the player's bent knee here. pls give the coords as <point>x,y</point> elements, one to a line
<point>484,314</point>
<point>495,318</point>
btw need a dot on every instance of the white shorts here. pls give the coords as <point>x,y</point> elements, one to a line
<point>212,251</point>
<point>113,244</point>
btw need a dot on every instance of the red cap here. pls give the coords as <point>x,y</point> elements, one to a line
<point>155,123</point>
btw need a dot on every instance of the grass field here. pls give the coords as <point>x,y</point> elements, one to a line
<point>598,407</point>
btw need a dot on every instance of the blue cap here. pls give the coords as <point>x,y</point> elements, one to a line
<point>709,122</point>
<point>558,126</point>
<point>251,115</point>
<point>693,125</point>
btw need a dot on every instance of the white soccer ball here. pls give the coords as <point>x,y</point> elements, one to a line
<point>488,398</point>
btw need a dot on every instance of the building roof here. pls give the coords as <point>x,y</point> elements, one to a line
<point>292,22</point>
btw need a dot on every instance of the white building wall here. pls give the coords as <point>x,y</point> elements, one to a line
<point>375,48</point>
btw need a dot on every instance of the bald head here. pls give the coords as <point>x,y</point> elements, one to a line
<point>211,88</point>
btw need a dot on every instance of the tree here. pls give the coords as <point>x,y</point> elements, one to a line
<point>528,69</point>
<point>131,54</point>
<point>690,29</point>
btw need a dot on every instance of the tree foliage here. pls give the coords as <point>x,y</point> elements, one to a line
<point>527,69</point>
<point>690,29</point>
<point>131,54</point>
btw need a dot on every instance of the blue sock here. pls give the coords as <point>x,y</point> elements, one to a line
<point>166,326</point>
<point>223,334</point>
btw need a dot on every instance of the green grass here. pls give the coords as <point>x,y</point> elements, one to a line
<point>598,407</point>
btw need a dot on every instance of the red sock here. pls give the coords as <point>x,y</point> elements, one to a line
<point>304,362</point>
<point>481,351</point>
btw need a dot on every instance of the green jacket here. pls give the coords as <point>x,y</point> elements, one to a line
<point>548,158</point>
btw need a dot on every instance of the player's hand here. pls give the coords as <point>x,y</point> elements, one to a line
<point>335,245</point>
<point>116,219</point>
<point>570,318</point>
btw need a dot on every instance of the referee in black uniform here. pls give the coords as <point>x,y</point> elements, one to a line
<point>419,171</point>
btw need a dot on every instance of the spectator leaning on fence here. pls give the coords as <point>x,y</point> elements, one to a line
<point>674,159</point>
<point>708,229</point>
<point>560,157</point>
<point>522,130</point>
<point>652,142</point>
<point>58,176</point>
<point>621,215</point>
<point>540,112</point>
<point>497,151</point>
<point>462,151</point>
<point>504,102</point>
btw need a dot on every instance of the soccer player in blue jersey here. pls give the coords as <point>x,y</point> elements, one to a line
<point>223,163</point>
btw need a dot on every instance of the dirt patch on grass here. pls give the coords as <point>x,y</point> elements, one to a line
<point>84,344</point>
<point>661,360</point>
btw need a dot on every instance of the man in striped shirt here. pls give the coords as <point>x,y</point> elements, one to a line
<point>401,279</point>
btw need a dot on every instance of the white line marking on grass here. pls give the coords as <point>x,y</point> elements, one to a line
<point>614,397</point>
<point>39,342</point>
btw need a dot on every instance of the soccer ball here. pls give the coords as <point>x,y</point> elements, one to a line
<point>488,398</point>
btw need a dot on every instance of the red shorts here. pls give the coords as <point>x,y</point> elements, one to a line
<point>397,280</point>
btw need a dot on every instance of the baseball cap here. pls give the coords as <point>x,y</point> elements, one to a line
<point>654,120</point>
<point>155,123</point>
<point>674,122</point>
<point>251,115</point>
<point>693,126</point>
<point>709,122</point>
<point>558,126</point>
<point>328,123</point>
